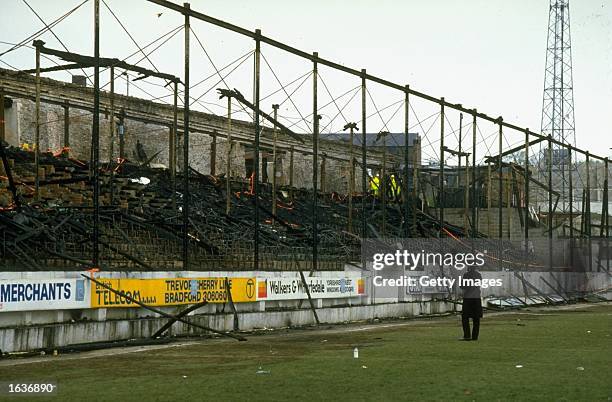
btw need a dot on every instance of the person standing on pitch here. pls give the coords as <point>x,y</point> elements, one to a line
<point>472,306</point>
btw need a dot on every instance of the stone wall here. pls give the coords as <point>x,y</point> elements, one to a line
<point>154,138</point>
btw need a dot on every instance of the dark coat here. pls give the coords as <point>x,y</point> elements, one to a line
<point>472,306</point>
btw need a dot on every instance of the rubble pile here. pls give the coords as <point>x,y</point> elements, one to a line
<point>141,226</point>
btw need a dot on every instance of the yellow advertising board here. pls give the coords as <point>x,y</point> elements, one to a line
<point>172,291</point>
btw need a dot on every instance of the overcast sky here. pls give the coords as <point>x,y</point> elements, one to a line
<point>488,54</point>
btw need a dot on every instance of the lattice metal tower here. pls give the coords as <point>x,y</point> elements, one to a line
<point>558,100</point>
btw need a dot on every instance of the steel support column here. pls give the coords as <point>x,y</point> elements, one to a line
<point>415,185</point>
<point>351,186</point>
<point>37,123</point>
<point>315,161</point>
<point>274,157</point>
<point>112,134</point>
<point>466,194</point>
<point>186,101</point>
<point>173,140</point>
<point>2,123</point>
<point>606,222</point>
<point>460,146</point>
<point>500,182</point>
<point>604,211</point>
<point>383,184</point>
<point>475,201</point>
<point>550,203</point>
<point>571,206</point>
<point>500,198</point>
<point>406,161</point>
<point>364,167</point>
<point>441,173</point>
<point>351,183</point>
<point>256,148</point>
<point>96,137</point>
<point>526,197</point>
<point>489,203</point>
<point>228,162</point>
<point>112,115</point>
<point>588,209</point>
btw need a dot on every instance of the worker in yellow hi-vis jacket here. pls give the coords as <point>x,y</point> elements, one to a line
<point>395,189</point>
<point>375,185</point>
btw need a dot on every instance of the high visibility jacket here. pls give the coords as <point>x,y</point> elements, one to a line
<point>375,185</point>
<point>395,188</point>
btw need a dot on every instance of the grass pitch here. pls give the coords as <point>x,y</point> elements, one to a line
<point>564,354</point>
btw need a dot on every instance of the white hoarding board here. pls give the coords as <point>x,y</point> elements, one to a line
<point>44,294</point>
<point>277,288</point>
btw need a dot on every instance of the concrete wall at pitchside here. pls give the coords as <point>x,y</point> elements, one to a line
<point>29,330</point>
